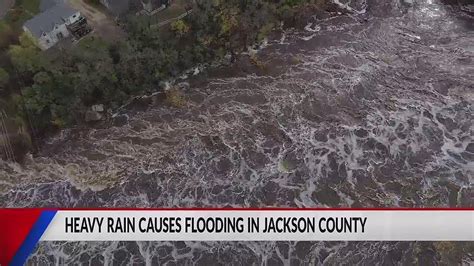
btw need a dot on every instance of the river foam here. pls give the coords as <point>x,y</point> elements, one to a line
<point>374,110</point>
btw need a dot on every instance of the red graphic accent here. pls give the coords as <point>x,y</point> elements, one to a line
<point>15,225</point>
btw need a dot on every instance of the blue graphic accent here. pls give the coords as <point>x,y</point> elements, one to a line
<point>32,239</point>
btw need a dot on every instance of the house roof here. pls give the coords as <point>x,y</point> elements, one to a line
<point>45,22</point>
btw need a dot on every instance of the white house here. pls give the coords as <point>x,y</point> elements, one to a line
<point>51,26</point>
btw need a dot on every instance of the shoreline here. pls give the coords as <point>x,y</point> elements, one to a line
<point>242,63</point>
<point>5,6</point>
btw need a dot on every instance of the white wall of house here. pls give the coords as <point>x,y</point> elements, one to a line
<point>51,38</point>
<point>75,17</point>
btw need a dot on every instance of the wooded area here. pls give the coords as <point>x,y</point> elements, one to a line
<point>55,89</point>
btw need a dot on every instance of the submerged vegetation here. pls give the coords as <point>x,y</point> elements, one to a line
<point>175,97</point>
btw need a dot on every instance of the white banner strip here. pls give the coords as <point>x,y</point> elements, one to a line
<point>261,225</point>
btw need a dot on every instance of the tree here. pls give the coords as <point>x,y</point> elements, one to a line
<point>4,78</point>
<point>26,57</point>
<point>7,35</point>
<point>180,27</point>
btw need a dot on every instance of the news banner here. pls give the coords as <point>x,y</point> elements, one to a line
<point>22,229</point>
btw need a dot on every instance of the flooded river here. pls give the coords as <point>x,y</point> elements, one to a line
<point>369,107</point>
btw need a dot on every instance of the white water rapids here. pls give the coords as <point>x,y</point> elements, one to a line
<point>372,108</point>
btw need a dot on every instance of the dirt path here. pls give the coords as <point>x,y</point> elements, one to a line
<point>102,24</point>
<point>5,5</point>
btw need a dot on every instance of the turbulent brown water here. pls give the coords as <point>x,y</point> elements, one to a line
<point>368,108</point>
